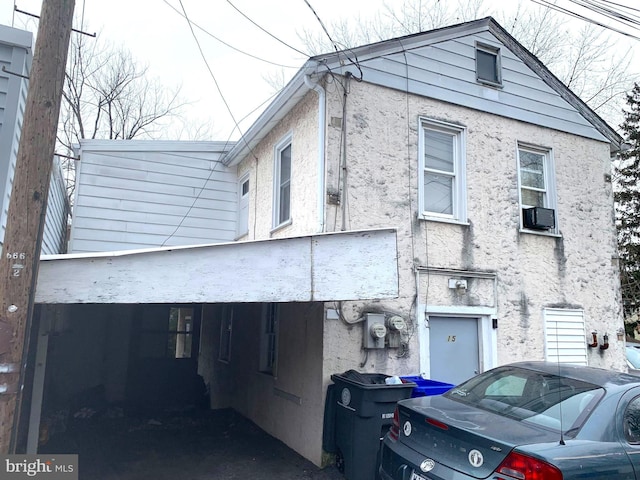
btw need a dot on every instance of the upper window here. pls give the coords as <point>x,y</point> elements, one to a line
<point>537,188</point>
<point>243,206</point>
<point>442,184</point>
<point>282,183</point>
<point>488,68</point>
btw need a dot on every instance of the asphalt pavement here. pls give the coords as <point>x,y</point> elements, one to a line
<point>185,445</point>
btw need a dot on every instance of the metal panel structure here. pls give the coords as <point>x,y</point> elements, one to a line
<point>323,267</point>
<point>142,194</point>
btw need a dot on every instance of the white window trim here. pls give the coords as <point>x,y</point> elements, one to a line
<point>550,183</point>
<point>459,194</point>
<point>241,181</point>
<point>280,146</point>
<point>493,51</point>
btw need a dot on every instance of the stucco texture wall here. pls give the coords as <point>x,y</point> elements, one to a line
<point>575,269</point>
<point>302,125</point>
<point>288,405</point>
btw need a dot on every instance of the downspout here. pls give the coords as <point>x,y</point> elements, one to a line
<point>322,127</point>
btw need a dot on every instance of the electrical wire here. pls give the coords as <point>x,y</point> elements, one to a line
<point>206,32</point>
<point>197,197</point>
<point>604,7</point>
<point>236,122</point>
<point>343,48</point>
<point>335,47</point>
<point>215,81</point>
<point>266,31</point>
<point>553,6</point>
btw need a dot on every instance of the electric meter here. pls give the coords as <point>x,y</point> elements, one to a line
<point>396,323</point>
<point>378,331</point>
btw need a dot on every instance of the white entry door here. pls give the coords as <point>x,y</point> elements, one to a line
<point>453,349</point>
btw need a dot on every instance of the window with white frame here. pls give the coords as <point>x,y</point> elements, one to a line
<point>282,183</point>
<point>442,164</point>
<point>226,327</point>
<point>537,185</point>
<point>488,64</point>
<point>243,206</point>
<point>269,339</point>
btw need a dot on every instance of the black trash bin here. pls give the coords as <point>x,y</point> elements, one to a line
<point>361,406</point>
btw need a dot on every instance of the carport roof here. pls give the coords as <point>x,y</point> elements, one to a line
<point>352,265</point>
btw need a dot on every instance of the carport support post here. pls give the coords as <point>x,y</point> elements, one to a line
<point>27,207</point>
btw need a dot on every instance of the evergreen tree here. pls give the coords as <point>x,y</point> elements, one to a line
<point>627,197</point>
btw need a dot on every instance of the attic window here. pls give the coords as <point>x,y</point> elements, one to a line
<point>488,67</point>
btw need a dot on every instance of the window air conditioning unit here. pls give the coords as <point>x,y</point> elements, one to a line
<point>538,218</point>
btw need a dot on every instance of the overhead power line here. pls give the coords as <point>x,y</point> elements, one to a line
<point>266,31</point>
<point>566,11</point>
<point>215,81</point>
<point>206,32</point>
<point>335,47</point>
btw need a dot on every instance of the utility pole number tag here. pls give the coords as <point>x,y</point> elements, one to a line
<point>16,268</point>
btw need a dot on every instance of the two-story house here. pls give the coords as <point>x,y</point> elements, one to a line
<point>438,203</point>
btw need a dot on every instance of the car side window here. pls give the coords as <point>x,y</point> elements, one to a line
<point>632,421</point>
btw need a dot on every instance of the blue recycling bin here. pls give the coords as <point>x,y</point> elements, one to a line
<point>425,387</point>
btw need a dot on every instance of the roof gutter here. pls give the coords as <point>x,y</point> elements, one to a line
<point>322,126</point>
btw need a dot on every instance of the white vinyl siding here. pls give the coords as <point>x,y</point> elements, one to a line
<point>565,336</point>
<point>446,71</point>
<point>140,194</point>
<point>54,237</point>
<point>15,56</point>
<point>442,164</point>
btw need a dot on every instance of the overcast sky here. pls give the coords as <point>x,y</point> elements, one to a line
<point>159,37</point>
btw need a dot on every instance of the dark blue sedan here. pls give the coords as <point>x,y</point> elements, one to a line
<point>524,421</point>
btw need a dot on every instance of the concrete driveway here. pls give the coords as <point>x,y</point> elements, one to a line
<point>186,445</point>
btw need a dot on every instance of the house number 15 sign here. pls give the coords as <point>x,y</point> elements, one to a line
<point>18,259</point>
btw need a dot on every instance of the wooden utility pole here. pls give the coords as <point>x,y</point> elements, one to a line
<point>27,208</point>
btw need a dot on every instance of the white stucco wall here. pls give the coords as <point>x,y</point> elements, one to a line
<point>302,125</point>
<point>512,275</point>
<point>576,269</point>
<point>289,404</point>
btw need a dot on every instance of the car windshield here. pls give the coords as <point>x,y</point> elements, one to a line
<point>633,356</point>
<point>530,396</point>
